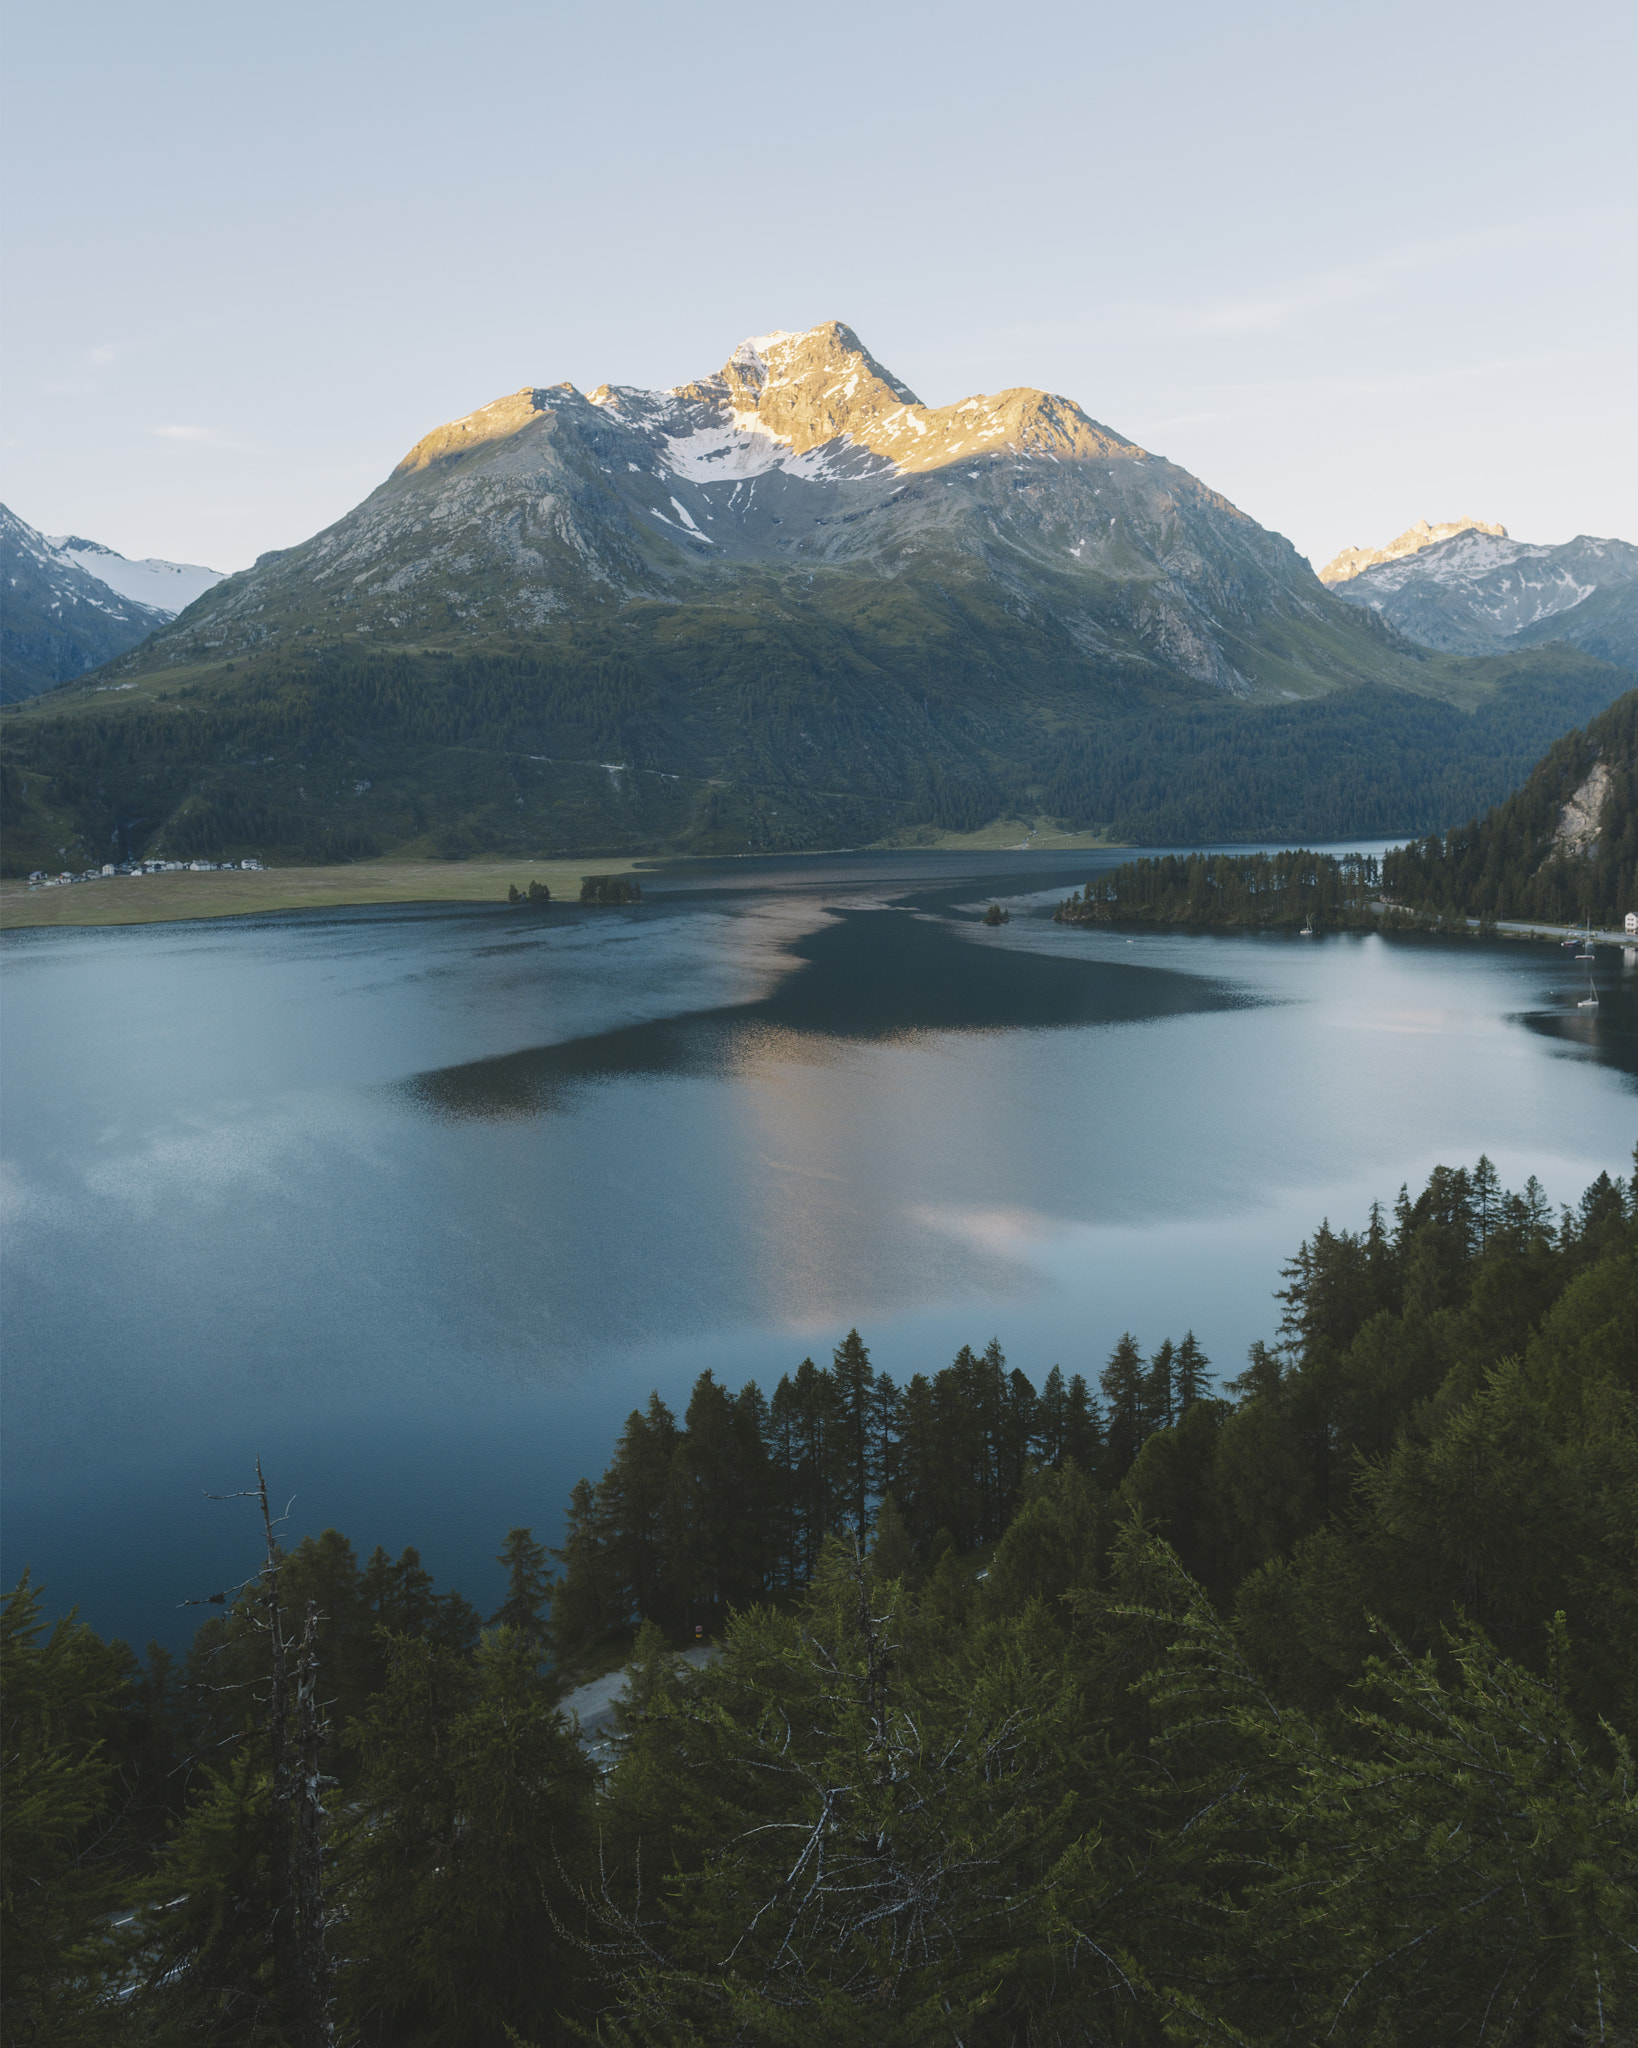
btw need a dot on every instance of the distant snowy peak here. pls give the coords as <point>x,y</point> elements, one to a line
<point>1480,592</point>
<point>1354,561</point>
<point>57,619</point>
<point>168,587</point>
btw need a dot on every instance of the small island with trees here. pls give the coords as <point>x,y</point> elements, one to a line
<point>597,890</point>
<point>1275,891</point>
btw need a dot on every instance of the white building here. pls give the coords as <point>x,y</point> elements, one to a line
<point>1632,924</point>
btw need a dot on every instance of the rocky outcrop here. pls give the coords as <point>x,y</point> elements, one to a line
<point>1581,819</point>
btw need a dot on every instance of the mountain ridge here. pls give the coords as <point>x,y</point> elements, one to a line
<point>164,586</point>
<point>57,621</point>
<point>810,461</point>
<point>1476,592</point>
<point>67,605</point>
<point>1343,567</point>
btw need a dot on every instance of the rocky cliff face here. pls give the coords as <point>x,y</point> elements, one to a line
<point>1352,561</point>
<point>801,469</point>
<point>1483,593</point>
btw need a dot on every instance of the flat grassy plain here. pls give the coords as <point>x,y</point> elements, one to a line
<point>164,899</point>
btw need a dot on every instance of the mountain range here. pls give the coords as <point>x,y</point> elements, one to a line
<point>67,605</point>
<point>1473,589</point>
<point>784,605</point>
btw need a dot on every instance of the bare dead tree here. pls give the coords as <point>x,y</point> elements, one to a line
<point>316,2024</point>
<point>301,1970</point>
<point>278,1737</point>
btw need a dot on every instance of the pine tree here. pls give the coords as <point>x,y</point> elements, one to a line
<point>1193,1377</point>
<point>885,1424</point>
<point>1122,1380</point>
<point>1051,1413</point>
<point>1083,1427</point>
<point>634,1510</point>
<point>857,1464</point>
<point>586,1597</point>
<point>915,1488</point>
<point>61,1691</point>
<point>820,1496</point>
<point>892,1556</point>
<point>469,1806</point>
<point>528,1587</point>
<point>784,1468</point>
<point>1160,1389</point>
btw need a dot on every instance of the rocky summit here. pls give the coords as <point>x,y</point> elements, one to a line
<point>1353,561</point>
<point>802,471</point>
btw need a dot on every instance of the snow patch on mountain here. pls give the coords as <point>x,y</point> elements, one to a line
<point>1478,592</point>
<point>740,447</point>
<point>1354,561</point>
<point>168,587</point>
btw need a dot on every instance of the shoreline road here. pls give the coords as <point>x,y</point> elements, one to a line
<point>597,1701</point>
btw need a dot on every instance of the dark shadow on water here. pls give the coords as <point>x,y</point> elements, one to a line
<point>1609,1033</point>
<point>870,975</point>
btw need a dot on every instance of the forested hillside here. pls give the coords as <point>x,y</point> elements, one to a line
<point>764,735</point>
<point>1291,1708</point>
<point>1564,846</point>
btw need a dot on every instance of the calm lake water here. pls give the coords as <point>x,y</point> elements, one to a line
<point>417,1203</point>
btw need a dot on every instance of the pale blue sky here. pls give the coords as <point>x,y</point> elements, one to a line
<point>1352,266</point>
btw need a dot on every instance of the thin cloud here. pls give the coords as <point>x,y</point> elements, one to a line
<point>207,437</point>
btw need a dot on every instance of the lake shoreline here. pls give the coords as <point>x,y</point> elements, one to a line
<point>235,892</point>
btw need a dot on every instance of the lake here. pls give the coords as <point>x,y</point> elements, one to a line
<point>416,1203</point>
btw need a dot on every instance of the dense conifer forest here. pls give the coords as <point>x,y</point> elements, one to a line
<point>641,742</point>
<point>1142,1706</point>
<point>1515,862</point>
<point>1281,891</point>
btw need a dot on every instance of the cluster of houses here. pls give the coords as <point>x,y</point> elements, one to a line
<point>41,880</point>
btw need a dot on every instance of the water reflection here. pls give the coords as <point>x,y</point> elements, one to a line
<point>1608,1031</point>
<point>876,976</point>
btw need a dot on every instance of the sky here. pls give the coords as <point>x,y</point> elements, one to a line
<point>1352,266</point>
